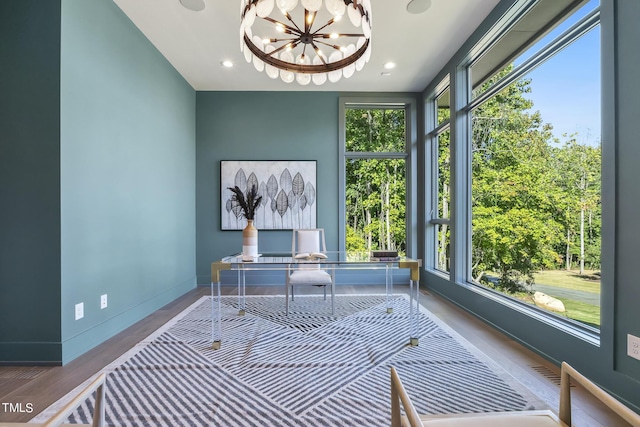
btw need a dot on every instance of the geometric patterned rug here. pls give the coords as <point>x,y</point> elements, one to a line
<point>307,369</point>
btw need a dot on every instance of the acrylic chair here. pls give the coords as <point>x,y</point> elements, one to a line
<point>309,242</point>
<point>539,418</point>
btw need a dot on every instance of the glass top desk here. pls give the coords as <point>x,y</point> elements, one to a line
<point>284,261</point>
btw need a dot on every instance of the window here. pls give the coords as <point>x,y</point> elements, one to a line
<point>535,171</point>
<point>442,104</point>
<point>375,177</point>
<point>444,200</point>
<point>439,206</point>
<point>514,168</point>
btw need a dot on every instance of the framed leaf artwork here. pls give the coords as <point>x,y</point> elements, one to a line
<point>287,187</point>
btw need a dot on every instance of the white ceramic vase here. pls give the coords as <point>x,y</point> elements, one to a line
<point>249,241</point>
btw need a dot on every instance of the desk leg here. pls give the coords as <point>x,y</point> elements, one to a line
<point>216,316</point>
<point>242,292</point>
<point>333,291</point>
<point>388,282</point>
<point>286,290</point>
<point>414,315</point>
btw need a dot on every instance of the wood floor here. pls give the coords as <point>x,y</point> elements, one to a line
<point>38,387</point>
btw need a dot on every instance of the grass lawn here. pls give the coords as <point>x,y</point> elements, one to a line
<point>582,312</point>
<point>589,282</point>
<point>576,310</point>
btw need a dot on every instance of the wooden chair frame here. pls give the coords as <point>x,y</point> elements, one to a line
<point>400,399</point>
<point>56,420</point>
<point>568,374</point>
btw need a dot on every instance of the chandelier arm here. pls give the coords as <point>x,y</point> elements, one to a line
<point>293,30</point>
<point>333,46</point>
<point>307,24</point>
<point>284,46</point>
<point>283,40</point>
<point>331,21</point>
<point>328,36</point>
<point>292,21</point>
<point>317,49</point>
<point>302,68</point>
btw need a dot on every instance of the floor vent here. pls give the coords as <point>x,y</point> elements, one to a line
<point>20,373</point>
<point>548,374</point>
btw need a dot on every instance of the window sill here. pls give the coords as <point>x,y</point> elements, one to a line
<point>585,333</point>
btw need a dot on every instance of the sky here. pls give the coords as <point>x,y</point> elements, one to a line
<point>566,88</point>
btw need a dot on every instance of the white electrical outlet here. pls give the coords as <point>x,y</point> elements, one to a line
<point>103,301</point>
<point>79,311</point>
<point>633,346</point>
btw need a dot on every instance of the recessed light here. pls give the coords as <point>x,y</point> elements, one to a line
<point>194,5</point>
<point>390,65</point>
<point>418,6</point>
<point>226,63</point>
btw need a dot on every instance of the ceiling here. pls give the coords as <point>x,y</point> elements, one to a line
<point>196,43</point>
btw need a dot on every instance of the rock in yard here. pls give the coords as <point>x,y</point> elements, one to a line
<point>548,302</point>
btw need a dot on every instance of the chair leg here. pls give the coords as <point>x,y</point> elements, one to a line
<point>333,303</point>
<point>333,292</point>
<point>396,420</point>
<point>287,277</point>
<point>325,292</point>
<point>291,292</point>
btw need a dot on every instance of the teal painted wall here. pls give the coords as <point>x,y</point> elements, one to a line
<point>262,126</point>
<point>29,180</point>
<point>627,127</point>
<point>127,175</point>
<point>606,363</point>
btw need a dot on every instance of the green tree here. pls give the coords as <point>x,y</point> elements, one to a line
<point>533,197</point>
<point>578,168</point>
<point>444,194</point>
<point>515,232</point>
<point>375,186</point>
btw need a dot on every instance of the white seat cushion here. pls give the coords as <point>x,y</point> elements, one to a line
<point>309,277</point>
<point>516,418</point>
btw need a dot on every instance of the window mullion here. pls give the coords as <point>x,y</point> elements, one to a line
<point>460,214</point>
<point>374,155</point>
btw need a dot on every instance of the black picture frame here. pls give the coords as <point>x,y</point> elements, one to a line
<point>288,189</point>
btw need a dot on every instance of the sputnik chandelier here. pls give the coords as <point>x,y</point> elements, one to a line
<point>308,43</point>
